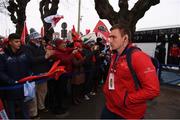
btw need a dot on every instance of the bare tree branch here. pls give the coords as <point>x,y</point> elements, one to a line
<point>45,11</point>
<point>17,9</point>
<point>54,6</point>
<point>123,5</point>
<point>105,10</point>
<point>140,8</point>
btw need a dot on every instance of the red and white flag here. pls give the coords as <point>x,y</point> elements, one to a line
<point>101,30</point>
<point>53,19</point>
<point>24,34</point>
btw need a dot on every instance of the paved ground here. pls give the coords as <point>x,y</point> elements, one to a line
<point>166,106</point>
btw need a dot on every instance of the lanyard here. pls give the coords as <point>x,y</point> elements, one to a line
<point>113,68</point>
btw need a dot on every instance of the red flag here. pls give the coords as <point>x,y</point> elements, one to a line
<point>42,31</point>
<point>54,72</point>
<point>56,19</point>
<point>75,35</point>
<point>24,34</point>
<point>101,30</point>
<point>87,31</point>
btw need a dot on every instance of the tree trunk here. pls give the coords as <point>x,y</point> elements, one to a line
<point>45,11</point>
<point>130,17</point>
<point>17,10</point>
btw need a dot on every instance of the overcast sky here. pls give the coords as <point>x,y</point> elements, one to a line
<point>164,14</point>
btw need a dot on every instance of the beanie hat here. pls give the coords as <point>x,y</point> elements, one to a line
<point>34,34</point>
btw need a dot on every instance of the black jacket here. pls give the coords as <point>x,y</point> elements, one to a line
<point>38,54</point>
<point>14,66</point>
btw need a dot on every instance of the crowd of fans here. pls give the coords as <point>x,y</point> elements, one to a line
<point>86,66</point>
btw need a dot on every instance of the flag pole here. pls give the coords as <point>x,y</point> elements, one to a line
<point>79,14</point>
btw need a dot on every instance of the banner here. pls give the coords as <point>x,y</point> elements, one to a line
<point>91,37</point>
<point>101,30</point>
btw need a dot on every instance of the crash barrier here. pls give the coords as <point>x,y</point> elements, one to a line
<point>170,74</point>
<point>170,65</point>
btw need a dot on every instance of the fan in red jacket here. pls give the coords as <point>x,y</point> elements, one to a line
<point>122,99</point>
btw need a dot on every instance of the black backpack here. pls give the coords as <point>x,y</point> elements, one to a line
<point>128,58</point>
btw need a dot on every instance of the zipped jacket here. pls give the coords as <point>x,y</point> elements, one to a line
<point>125,100</point>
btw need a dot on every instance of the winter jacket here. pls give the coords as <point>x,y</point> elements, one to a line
<point>66,56</point>
<point>78,71</point>
<point>14,66</point>
<point>174,52</point>
<point>38,53</point>
<point>125,100</point>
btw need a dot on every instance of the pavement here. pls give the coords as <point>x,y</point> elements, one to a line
<point>165,106</point>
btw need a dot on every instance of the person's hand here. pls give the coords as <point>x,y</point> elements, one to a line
<point>75,51</point>
<point>49,53</point>
<point>101,55</point>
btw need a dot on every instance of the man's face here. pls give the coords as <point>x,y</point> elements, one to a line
<point>15,44</point>
<point>43,42</point>
<point>116,40</point>
<point>35,41</point>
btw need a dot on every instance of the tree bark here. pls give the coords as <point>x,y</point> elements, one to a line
<point>130,17</point>
<point>17,10</point>
<point>45,11</point>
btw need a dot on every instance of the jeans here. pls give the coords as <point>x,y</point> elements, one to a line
<point>106,114</point>
<point>11,109</point>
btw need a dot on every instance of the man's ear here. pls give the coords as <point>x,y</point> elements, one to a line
<point>126,37</point>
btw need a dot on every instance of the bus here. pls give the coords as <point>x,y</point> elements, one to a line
<point>149,38</point>
<point>157,34</point>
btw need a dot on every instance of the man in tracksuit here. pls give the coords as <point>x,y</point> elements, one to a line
<point>123,100</point>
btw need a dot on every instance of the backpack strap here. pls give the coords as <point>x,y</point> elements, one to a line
<point>133,73</point>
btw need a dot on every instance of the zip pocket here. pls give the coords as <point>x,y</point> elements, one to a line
<point>125,96</point>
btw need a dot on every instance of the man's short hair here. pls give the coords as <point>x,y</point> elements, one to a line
<point>123,28</point>
<point>13,36</point>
